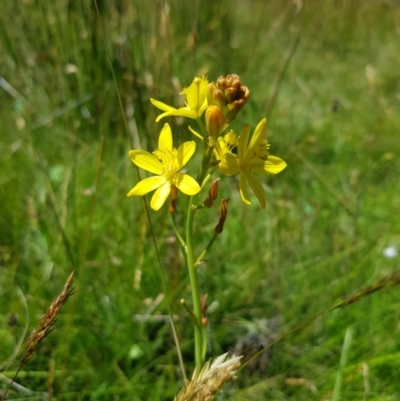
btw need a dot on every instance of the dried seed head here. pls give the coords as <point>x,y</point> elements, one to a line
<point>222,216</point>
<point>212,193</point>
<point>206,383</point>
<point>47,321</point>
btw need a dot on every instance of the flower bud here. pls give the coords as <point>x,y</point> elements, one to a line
<point>222,216</point>
<point>212,194</point>
<point>215,96</point>
<point>229,95</point>
<point>215,120</point>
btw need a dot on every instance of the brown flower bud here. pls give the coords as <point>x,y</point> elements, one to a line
<point>222,216</point>
<point>174,196</point>
<point>229,95</point>
<point>215,96</point>
<point>215,120</point>
<point>212,194</point>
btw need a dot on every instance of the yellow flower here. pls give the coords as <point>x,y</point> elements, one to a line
<point>196,101</point>
<point>225,145</point>
<point>251,158</point>
<point>165,162</point>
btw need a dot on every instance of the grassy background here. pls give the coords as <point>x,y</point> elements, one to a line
<point>65,174</point>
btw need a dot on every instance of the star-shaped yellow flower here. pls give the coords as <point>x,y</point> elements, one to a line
<point>196,101</point>
<point>251,158</point>
<point>165,162</point>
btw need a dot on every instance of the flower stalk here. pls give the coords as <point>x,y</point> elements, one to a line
<point>194,284</point>
<point>213,105</point>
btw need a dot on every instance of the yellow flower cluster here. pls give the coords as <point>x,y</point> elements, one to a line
<point>243,155</point>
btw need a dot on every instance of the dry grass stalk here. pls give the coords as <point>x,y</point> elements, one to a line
<point>47,321</point>
<point>210,380</point>
<point>388,281</point>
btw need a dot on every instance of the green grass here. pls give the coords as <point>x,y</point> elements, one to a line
<point>65,174</point>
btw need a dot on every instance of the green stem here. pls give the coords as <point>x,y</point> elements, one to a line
<point>207,178</point>
<point>201,256</point>
<point>194,284</point>
<point>199,333</point>
<point>204,345</point>
<point>177,233</point>
<point>207,153</point>
<point>186,306</point>
<point>204,164</point>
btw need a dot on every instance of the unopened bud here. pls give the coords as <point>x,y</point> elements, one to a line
<point>215,96</point>
<point>232,109</point>
<point>215,120</point>
<point>230,81</point>
<point>229,95</point>
<point>222,82</point>
<point>212,194</point>
<point>174,196</point>
<point>222,216</point>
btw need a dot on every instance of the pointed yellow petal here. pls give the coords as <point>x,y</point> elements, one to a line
<point>160,196</point>
<point>161,116</point>
<point>218,149</point>
<point>186,184</point>
<point>277,161</point>
<point>203,108</point>
<point>243,141</point>
<point>147,185</point>
<point>165,139</point>
<point>185,152</point>
<point>172,111</point>
<point>182,112</point>
<point>186,112</point>
<point>273,165</point>
<point>196,96</point>
<point>146,161</point>
<point>257,188</point>
<point>161,105</point>
<point>229,165</point>
<point>244,194</point>
<point>258,136</point>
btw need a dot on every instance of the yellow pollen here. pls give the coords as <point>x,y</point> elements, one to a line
<point>169,161</point>
<point>261,152</point>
